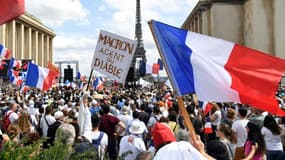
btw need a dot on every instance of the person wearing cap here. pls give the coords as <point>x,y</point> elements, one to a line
<point>94,107</point>
<point>133,144</point>
<point>59,116</point>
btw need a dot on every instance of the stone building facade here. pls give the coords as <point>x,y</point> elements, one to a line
<point>256,24</point>
<point>28,38</point>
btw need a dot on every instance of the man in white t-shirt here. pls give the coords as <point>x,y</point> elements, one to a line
<point>240,132</point>
<point>133,144</point>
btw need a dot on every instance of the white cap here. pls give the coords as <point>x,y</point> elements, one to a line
<point>94,102</point>
<point>58,114</point>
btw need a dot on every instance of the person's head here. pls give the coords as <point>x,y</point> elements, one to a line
<point>191,108</point>
<point>95,121</point>
<point>65,134</point>
<point>254,135</point>
<point>105,108</point>
<point>217,150</point>
<point>136,114</point>
<point>162,135</point>
<point>58,115</point>
<point>48,110</point>
<point>13,131</point>
<point>125,110</point>
<point>94,103</point>
<point>13,106</point>
<point>172,116</point>
<point>156,109</point>
<point>271,124</point>
<point>224,131</point>
<point>215,107</point>
<point>231,114</point>
<point>242,112</point>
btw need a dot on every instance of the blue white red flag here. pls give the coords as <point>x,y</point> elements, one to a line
<point>4,52</point>
<point>218,70</point>
<point>98,83</point>
<point>40,77</point>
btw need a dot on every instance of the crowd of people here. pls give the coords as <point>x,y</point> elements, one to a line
<point>140,123</point>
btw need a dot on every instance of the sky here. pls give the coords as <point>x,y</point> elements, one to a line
<point>77,23</point>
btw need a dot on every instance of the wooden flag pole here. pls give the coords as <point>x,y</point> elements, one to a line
<point>186,118</point>
<point>89,79</point>
<point>181,105</point>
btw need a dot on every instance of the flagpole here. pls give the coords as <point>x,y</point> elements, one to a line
<point>181,105</point>
<point>89,79</point>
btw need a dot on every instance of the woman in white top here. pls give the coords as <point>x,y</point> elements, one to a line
<point>271,132</point>
<point>215,118</point>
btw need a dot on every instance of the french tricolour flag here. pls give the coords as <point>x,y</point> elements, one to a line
<point>4,52</point>
<point>206,107</point>
<point>40,77</point>
<point>218,70</point>
<point>98,83</point>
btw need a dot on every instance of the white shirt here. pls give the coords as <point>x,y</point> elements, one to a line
<point>13,116</point>
<point>218,119</point>
<point>131,146</point>
<point>84,118</point>
<point>90,135</point>
<point>126,119</point>
<point>153,120</point>
<point>272,142</point>
<point>43,124</point>
<point>178,151</point>
<point>238,127</point>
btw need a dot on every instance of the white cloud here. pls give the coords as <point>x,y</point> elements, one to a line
<point>56,12</point>
<point>172,12</point>
<point>120,19</point>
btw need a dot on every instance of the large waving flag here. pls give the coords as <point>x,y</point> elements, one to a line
<point>40,77</point>
<point>11,9</point>
<point>218,70</point>
<point>53,68</point>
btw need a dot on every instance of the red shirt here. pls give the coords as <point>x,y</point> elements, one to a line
<point>108,125</point>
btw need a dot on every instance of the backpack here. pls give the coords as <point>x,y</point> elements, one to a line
<point>96,142</point>
<point>85,145</point>
<point>7,121</point>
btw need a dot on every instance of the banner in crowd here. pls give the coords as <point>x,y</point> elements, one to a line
<point>218,70</point>
<point>113,55</point>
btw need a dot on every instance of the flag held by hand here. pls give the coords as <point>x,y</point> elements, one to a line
<point>217,70</point>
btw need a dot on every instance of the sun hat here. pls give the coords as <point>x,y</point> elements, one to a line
<point>162,134</point>
<point>136,127</point>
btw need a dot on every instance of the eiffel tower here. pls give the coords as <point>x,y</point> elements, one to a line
<point>137,68</point>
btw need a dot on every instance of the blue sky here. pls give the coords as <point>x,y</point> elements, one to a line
<point>77,23</point>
